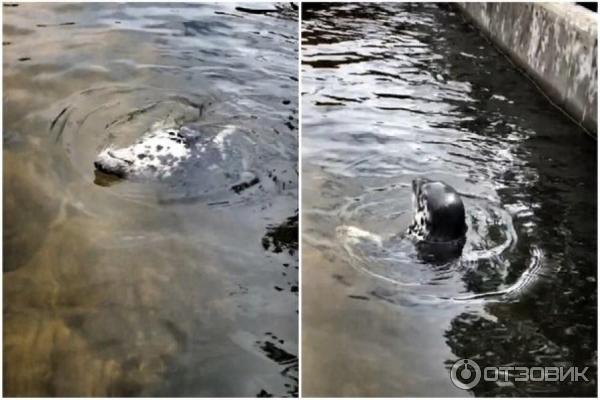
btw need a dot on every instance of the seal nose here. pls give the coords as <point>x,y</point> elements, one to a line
<point>415,185</point>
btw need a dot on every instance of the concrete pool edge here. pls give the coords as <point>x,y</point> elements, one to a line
<point>555,43</point>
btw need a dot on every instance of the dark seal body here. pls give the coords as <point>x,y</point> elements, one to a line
<point>438,225</point>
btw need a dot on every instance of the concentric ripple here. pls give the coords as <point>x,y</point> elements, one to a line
<point>386,255</point>
<point>117,116</point>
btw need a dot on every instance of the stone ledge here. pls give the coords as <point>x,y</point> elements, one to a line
<point>555,43</point>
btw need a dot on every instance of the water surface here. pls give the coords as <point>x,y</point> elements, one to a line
<point>117,288</point>
<point>393,92</point>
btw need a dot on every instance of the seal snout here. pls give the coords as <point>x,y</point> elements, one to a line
<point>416,183</point>
<point>110,163</point>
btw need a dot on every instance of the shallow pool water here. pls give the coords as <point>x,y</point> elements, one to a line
<point>394,92</point>
<point>119,288</point>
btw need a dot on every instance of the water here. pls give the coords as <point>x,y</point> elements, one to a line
<point>141,288</point>
<point>393,92</point>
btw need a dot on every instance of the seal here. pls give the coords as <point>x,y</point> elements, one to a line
<point>438,224</point>
<point>190,162</point>
<point>160,152</point>
<point>437,233</point>
<point>439,213</point>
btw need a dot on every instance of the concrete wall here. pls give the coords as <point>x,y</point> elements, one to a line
<point>555,43</point>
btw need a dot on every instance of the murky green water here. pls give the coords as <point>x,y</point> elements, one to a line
<point>392,92</point>
<point>134,288</point>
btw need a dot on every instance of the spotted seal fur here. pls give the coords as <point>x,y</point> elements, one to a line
<point>160,152</point>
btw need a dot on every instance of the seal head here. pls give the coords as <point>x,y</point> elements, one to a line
<point>157,154</point>
<point>439,219</point>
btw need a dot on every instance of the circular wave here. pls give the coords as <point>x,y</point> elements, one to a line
<point>117,116</point>
<point>91,120</point>
<point>482,272</point>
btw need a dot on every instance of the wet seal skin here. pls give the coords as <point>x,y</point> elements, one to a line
<point>157,154</point>
<point>170,153</point>
<point>438,225</point>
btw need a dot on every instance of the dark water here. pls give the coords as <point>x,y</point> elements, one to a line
<point>392,92</point>
<point>136,288</point>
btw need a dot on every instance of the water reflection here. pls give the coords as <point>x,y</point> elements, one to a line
<point>393,92</point>
<point>119,288</point>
